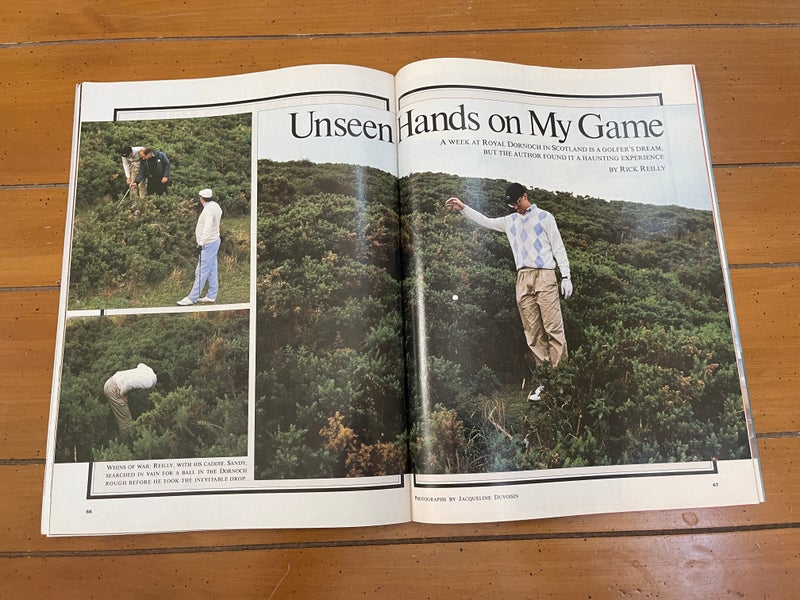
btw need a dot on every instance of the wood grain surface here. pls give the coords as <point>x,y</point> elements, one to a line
<point>748,60</point>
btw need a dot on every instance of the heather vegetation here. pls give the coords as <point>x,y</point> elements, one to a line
<point>369,360</point>
<point>652,374</point>
<point>329,362</point>
<point>142,252</point>
<point>198,407</point>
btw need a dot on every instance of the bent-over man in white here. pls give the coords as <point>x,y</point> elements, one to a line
<point>119,384</point>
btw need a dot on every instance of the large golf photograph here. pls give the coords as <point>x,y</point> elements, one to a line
<point>141,189</point>
<point>623,355</point>
<point>329,388</point>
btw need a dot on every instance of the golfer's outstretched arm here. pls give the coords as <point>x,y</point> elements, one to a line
<point>496,224</point>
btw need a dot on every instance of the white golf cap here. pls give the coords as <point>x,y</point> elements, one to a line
<point>206,193</point>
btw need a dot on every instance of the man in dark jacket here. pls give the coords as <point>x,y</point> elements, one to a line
<point>154,168</point>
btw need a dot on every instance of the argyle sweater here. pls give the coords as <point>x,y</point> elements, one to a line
<point>534,238</point>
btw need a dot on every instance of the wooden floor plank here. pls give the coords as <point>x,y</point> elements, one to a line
<point>27,344</point>
<point>766,305</point>
<point>759,213</point>
<point>756,564</point>
<point>41,21</point>
<point>32,254</point>
<point>763,59</point>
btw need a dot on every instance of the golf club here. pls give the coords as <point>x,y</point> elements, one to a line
<point>121,200</point>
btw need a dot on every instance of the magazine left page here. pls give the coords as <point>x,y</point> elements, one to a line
<point>228,352</point>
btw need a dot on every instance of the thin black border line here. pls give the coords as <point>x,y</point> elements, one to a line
<point>488,88</point>
<point>383,486</point>
<point>714,470</point>
<point>150,109</point>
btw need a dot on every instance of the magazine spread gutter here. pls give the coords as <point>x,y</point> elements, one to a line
<point>327,296</point>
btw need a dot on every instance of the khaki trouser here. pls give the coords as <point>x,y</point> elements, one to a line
<point>119,404</point>
<point>140,189</point>
<point>539,307</point>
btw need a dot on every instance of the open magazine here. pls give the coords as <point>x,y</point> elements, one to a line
<point>327,296</point>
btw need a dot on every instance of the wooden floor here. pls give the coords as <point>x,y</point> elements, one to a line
<point>748,59</point>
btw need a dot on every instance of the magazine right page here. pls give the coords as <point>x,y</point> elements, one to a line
<point>573,342</point>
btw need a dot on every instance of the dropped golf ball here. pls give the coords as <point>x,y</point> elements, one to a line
<point>455,296</point>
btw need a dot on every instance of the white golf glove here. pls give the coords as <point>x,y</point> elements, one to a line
<point>566,288</point>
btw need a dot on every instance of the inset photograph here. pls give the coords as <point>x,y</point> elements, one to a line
<point>154,386</point>
<point>162,207</point>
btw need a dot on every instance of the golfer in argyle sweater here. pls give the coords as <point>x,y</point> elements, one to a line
<point>538,249</point>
